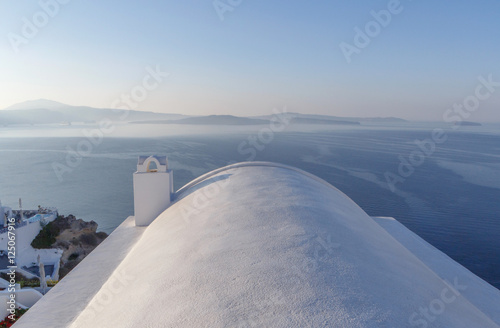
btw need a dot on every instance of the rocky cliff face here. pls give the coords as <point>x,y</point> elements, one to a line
<point>77,238</point>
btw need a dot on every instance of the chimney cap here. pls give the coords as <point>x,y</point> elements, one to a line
<point>144,162</point>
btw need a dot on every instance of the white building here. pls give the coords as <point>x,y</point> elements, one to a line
<point>26,230</point>
<point>25,256</point>
<point>5,213</point>
<point>265,245</point>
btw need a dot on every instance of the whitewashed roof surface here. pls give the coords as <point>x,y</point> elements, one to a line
<point>266,246</point>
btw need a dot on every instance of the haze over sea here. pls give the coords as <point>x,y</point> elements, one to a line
<point>451,200</point>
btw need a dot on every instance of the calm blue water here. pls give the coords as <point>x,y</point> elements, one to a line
<point>451,199</point>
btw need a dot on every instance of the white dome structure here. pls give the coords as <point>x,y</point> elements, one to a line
<point>265,245</point>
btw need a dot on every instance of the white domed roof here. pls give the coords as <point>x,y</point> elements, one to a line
<point>266,246</point>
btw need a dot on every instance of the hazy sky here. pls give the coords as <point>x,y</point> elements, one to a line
<point>263,54</point>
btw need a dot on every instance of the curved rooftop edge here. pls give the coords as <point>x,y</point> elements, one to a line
<point>249,164</point>
<point>266,245</point>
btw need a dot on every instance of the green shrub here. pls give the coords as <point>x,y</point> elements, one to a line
<point>29,283</point>
<point>102,235</point>
<point>22,280</point>
<point>73,257</point>
<point>46,237</point>
<point>8,321</point>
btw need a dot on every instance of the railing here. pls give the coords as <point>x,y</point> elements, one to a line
<point>33,219</point>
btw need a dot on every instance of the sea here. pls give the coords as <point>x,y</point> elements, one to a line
<point>440,181</point>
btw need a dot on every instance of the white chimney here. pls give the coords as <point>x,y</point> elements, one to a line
<point>153,188</point>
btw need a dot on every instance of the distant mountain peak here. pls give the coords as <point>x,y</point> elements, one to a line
<point>44,111</point>
<point>37,104</point>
